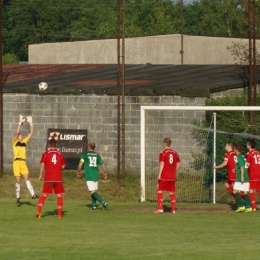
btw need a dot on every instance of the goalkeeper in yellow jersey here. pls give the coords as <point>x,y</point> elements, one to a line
<point>19,164</point>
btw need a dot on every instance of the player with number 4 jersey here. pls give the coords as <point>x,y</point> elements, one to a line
<point>92,161</point>
<point>253,162</point>
<point>53,162</point>
<point>169,165</point>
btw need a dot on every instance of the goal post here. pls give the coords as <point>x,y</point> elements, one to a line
<point>160,109</point>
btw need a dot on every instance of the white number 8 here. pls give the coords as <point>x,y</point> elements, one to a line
<point>171,159</point>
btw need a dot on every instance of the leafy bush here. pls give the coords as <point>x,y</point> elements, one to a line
<point>10,59</point>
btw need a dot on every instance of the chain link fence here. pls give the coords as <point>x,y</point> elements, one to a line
<point>176,53</point>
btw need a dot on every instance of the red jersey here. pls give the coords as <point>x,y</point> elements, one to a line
<point>54,162</point>
<point>253,158</point>
<point>170,158</point>
<point>230,157</point>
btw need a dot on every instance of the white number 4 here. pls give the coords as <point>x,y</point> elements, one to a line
<point>92,161</point>
<point>53,159</point>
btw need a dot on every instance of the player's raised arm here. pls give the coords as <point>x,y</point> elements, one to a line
<point>21,120</point>
<point>29,120</point>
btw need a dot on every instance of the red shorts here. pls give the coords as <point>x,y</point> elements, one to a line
<point>168,186</point>
<point>49,187</point>
<point>230,182</point>
<point>254,185</point>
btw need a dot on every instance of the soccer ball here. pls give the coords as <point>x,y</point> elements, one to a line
<point>43,86</point>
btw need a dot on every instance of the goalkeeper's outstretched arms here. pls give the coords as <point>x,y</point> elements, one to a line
<point>17,132</point>
<point>29,120</point>
<point>222,165</point>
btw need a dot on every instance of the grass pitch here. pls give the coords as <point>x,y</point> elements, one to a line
<point>128,230</point>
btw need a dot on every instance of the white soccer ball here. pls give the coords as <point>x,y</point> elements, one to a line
<point>43,86</point>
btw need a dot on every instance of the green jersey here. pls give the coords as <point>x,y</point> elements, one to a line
<point>241,162</point>
<point>91,162</point>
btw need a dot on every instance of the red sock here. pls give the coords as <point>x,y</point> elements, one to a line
<point>242,195</point>
<point>160,201</point>
<point>230,190</point>
<point>173,201</point>
<point>41,203</point>
<point>252,200</point>
<point>60,205</point>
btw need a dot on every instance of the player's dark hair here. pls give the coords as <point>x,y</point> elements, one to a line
<point>167,141</point>
<point>252,143</point>
<point>91,145</point>
<point>238,147</point>
<point>231,144</point>
<point>53,143</point>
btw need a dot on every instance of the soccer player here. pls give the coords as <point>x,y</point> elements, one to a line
<point>253,161</point>
<point>19,164</point>
<point>242,181</point>
<point>230,163</point>
<point>169,165</point>
<point>91,161</point>
<point>53,162</point>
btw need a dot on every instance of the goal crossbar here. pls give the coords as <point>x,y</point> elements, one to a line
<point>183,108</point>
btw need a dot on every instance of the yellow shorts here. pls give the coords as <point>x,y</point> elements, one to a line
<point>20,168</point>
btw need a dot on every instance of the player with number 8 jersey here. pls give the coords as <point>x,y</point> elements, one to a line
<point>169,165</point>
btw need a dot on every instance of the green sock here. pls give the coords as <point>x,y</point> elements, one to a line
<point>247,200</point>
<point>239,200</point>
<point>93,201</point>
<point>98,198</point>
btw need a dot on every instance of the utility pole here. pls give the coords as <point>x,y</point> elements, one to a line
<point>1,92</point>
<point>182,25</point>
<point>123,89</point>
<point>118,92</point>
<point>252,83</point>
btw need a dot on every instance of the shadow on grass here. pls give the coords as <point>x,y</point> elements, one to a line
<point>98,207</point>
<point>28,203</point>
<point>53,213</point>
<point>233,206</point>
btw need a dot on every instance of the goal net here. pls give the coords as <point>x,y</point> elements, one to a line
<point>199,135</point>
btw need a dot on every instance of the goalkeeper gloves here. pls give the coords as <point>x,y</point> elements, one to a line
<point>29,120</point>
<point>21,119</point>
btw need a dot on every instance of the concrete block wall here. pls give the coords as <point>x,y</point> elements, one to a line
<point>159,49</point>
<point>97,114</point>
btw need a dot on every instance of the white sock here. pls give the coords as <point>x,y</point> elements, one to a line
<point>17,190</point>
<point>30,187</point>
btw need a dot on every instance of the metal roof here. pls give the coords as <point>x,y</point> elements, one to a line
<point>183,80</point>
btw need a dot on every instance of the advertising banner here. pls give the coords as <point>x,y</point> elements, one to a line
<point>71,142</point>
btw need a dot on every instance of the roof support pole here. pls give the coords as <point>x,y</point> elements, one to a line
<point>1,93</point>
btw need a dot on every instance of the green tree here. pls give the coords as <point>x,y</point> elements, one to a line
<point>152,17</point>
<point>97,20</point>
<point>34,21</point>
<point>219,18</point>
<point>10,59</point>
